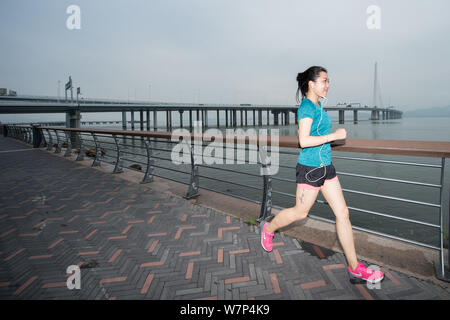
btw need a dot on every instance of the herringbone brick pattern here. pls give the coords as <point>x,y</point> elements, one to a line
<point>133,242</point>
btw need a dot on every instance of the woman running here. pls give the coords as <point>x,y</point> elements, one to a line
<point>315,172</point>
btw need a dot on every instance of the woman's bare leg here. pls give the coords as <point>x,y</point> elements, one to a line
<point>305,199</point>
<point>332,193</point>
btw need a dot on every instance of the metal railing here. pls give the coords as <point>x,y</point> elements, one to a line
<point>117,150</point>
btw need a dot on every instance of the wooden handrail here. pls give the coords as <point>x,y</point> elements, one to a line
<point>435,149</point>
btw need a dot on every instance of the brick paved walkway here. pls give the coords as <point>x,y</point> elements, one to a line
<point>132,242</point>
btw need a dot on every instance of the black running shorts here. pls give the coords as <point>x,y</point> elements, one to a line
<point>314,177</point>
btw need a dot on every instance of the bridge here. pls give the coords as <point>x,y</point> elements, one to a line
<point>277,114</point>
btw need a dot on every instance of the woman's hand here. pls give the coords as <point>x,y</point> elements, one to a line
<point>340,134</point>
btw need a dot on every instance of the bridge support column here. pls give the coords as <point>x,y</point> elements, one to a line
<point>169,120</point>
<point>132,120</point>
<point>206,118</point>
<point>226,118</point>
<point>254,117</point>
<point>218,122</point>
<point>181,118</point>
<point>73,121</point>
<point>124,120</point>
<point>375,115</point>
<point>141,120</point>
<point>155,119</point>
<point>355,116</point>
<point>275,117</point>
<point>268,117</point>
<point>242,118</point>
<point>287,117</point>
<point>148,119</point>
<point>341,116</point>
<point>246,118</point>
<point>190,120</point>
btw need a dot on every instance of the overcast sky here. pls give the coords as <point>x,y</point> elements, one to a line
<point>228,51</point>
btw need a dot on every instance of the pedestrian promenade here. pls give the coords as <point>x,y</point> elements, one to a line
<point>133,242</point>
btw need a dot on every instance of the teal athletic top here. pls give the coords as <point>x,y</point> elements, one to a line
<point>310,156</point>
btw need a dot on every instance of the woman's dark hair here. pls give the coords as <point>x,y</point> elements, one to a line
<point>311,74</point>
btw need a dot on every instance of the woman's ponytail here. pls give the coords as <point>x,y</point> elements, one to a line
<point>303,78</point>
<point>299,81</point>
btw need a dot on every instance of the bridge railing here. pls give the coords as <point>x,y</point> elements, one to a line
<point>115,147</point>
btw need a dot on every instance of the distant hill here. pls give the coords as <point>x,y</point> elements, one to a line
<point>428,113</point>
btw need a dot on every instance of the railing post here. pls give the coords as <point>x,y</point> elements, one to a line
<point>29,135</point>
<point>96,161</point>
<point>148,177</point>
<point>37,137</point>
<point>193,184</point>
<point>118,165</point>
<point>58,142</point>
<point>80,156</point>
<point>266,203</point>
<point>441,272</point>
<point>43,139</point>
<point>50,140</point>
<point>23,136</point>
<point>69,145</point>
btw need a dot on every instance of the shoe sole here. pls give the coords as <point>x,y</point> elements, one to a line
<point>263,223</point>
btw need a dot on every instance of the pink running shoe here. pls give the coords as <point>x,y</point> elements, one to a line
<point>266,238</point>
<point>362,275</point>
